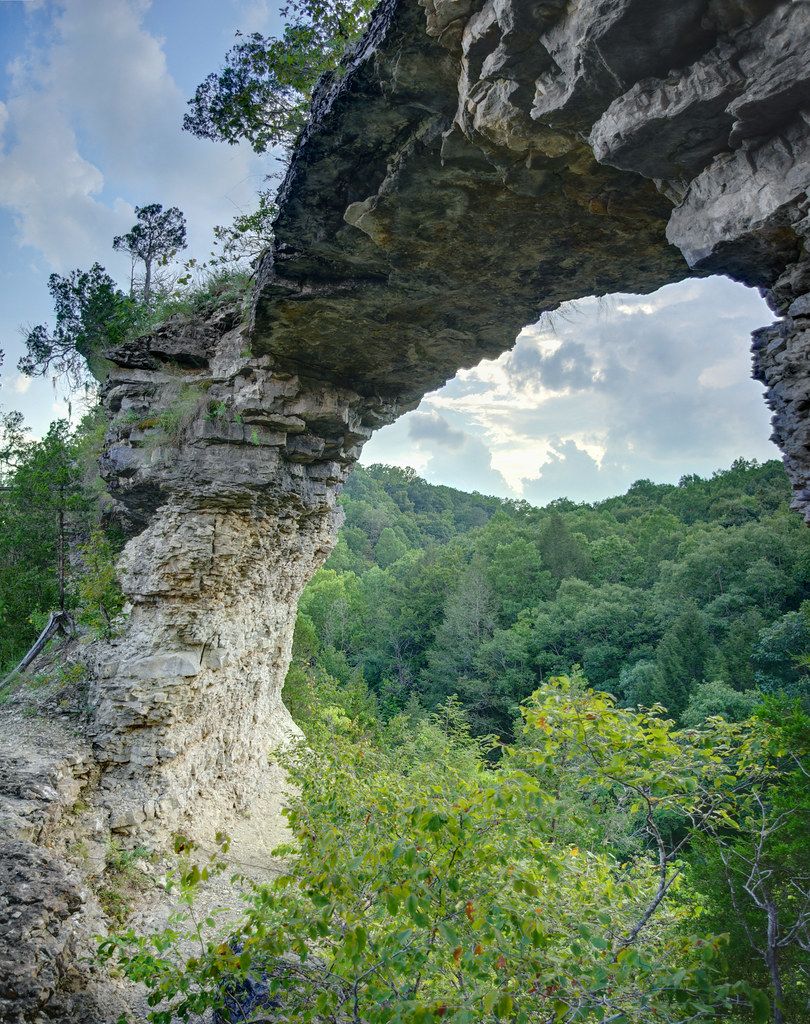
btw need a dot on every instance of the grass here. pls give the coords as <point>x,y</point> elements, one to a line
<point>211,291</point>
<point>168,425</point>
<point>9,688</point>
<point>122,881</point>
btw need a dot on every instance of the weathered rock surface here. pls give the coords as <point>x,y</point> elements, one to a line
<point>453,185</point>
<point>475,163</point>
<point>47,914</point>
<point>233,468</point>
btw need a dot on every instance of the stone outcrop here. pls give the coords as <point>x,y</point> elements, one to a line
<point>473,164</point>
<point>51,840</point>
<point>227,469</point>
<point>476,163</point>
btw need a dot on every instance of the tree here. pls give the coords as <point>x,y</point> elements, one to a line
<point>156,238</point>
<point>262,92</point>
<point>469,621</point>
<point>390,547</point>
<point>248,234</point>
<point>13,443</point>
<point>91,315</point>
<point>777,655</point>
<point>517,577</point>
<point>681,657</point>
<point>56,566</point>
<point>752,869</point>
<point>43,512</point>
<point>718,698</point>
<point>564,554</point>
<point>425,884</point>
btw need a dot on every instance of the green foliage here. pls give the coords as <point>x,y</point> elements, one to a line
<point>98,592</point>
<point>777,654</point>
<point>122,881</point>
<point>262,92</point>
<point>248,234</point>
<point>171,421</point>
<point>156,237</point>
<point>424,883</point>
<point>718,698</point>
<point>658,594</point>
<point>91,315</point>
<point>753,879</point>
<point>42,504</point>
<point>52,553</point>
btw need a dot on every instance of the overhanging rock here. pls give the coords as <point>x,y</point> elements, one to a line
<point>469,166</point>
<point>474,164</point>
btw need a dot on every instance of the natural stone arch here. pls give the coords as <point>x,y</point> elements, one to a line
<point>473,164</point>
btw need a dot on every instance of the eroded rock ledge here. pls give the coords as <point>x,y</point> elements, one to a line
<point>473,164</point>
<point>229,468</point>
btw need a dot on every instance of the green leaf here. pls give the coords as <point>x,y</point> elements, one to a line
<point>761,1006</point>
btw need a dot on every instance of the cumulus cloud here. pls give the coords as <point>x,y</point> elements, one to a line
<point>93,121</point>
<point>570,472</point>
<point>439,451</point>
<point>433,428</point>
<point>570,365</point>
<point>610,392</point>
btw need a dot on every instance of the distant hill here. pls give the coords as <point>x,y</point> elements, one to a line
<point>694,595</point>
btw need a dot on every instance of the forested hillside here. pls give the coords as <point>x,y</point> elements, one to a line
<point>589,861</point>
<point>604,864</point>
<point>694,595</point>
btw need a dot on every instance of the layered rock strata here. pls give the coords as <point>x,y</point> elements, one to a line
<point>51,839</point>
<point>476,163</point>
<point>227,470</point>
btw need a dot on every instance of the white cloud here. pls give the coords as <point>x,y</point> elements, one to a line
<point>611,391</point>
<point>21,384</point>
<point>94,128</point>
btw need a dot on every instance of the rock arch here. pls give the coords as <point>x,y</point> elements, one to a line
<point>472,165</point>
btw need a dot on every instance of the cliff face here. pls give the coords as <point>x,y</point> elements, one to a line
<point>478,163</point>
<point>472,165</point>
<point>229,468</point>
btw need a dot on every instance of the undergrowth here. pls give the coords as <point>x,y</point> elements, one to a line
<point>198,296</point>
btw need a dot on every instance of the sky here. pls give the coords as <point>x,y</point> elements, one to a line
<point>605,392</point>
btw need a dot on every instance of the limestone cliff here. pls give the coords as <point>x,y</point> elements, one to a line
<point>472,164</point>
<point>227,469</point>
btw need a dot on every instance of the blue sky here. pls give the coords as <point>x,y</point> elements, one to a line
<point>92,94</point>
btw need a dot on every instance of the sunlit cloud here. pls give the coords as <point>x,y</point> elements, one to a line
<point>607,391</point>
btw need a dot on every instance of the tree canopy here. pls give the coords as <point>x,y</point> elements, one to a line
<point>666,594</point>
<point>91,313</point>
<point>156,237</point>
<point>262,92</point>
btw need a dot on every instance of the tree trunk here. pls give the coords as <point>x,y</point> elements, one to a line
<point>61,552</point>
<point>147,280</point>
<point>59,622</point>
<point>772,955</point>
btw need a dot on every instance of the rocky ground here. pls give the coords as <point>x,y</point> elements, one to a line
<point>65,879</point>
